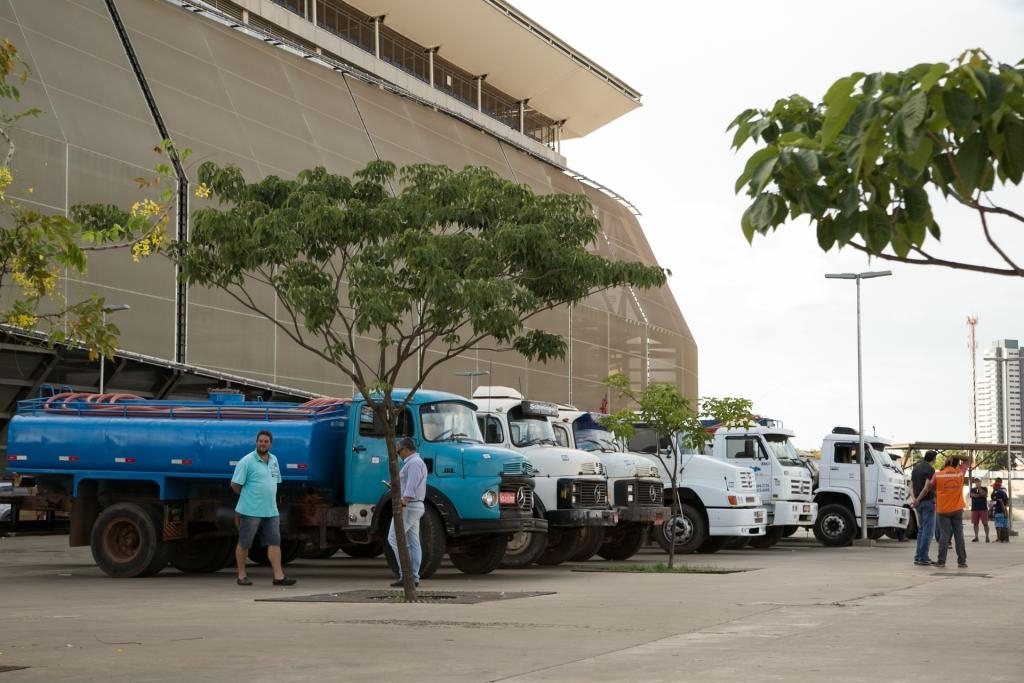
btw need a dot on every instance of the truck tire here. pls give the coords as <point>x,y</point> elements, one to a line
<point>688,529</point>
<point>523,548</point>
<point>126,541</point>
<point>203,556</point>
<point>562,543</point>
<point>912,525</point>
<point>772,535</point>
<point>835,526</point>
<point>591,539</point>
<point>482,556</point>
<point>432,543</point>
<point>625,544</point>
<point>290,549</point>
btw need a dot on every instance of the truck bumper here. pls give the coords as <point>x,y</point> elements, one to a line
<point>511,524</point>
<point>642,515</point>
<point>792,513</point>
<point>892,516</point>
<point>737,521</point>
<point>581,517</point>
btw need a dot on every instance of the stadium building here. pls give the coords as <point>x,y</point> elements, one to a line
<point>276,86</point>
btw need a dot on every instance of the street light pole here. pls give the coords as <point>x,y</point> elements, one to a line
<point>860,396</point>
<point>112,308</point>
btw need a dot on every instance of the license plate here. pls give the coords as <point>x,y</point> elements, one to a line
<point>507,497</point>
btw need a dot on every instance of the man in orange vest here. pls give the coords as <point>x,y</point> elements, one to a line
<point>949,509</point>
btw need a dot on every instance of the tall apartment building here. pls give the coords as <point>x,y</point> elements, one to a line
<point>277,86</point>
<point>999,383</point>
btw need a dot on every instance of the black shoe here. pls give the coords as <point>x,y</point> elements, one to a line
<point>286,581</point>
<point>245,581</point>
<point>399,584</point>
<point>962,565</point>
<point>940,565</point>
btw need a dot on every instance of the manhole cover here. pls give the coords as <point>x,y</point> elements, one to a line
<point>397,596</point>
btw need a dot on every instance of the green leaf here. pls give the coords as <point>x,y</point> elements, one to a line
<point>836,118</point>
<point>807,163</point>
<point>877,232</point>
<point>936,72</point>
<point>826,233</point>
<point>971,161</point>
<point>915,200</point>
<point>1012,161</point>
<point>913,112</point>
<point>763,160</point>
<point>845,227</point>
<point>959,108</point>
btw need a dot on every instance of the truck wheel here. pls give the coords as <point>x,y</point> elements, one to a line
<point>363,550</point>
<point>625,544</point>
<point>201,557</point>
<point>688,529</point>
<point>523,548</point>
<point>562,543</point>
<point>789,530</point>
<point>432,543</point>
<point>591,539</point>
<point>772,535</point>
<point>480,557</point>
<point>835,526</point>
<point>912,525</point>
<point>290,549</point>
<point>126,541</point>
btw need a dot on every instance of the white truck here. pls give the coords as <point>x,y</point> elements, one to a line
<point>719,500</point>
<point>635,488</point>
<point>570,486</point>
<point>783,482</point>
<point>838,490</point>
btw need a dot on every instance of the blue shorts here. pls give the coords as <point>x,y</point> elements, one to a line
<point>269,529</point>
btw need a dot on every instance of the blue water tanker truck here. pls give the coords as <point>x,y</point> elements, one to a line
<point>146,482</point>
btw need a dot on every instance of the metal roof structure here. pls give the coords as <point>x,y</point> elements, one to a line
<point>518,55</point>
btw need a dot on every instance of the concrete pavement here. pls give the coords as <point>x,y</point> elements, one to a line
<point>798,612</point>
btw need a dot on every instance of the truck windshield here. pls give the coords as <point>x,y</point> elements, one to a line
<point>784,450</point>
<point>887,459</point>
<point>528,431</point>
<point>595,440</point>
<point>449,421</point>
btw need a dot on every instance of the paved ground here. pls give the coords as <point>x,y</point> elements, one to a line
<point>801,613</point>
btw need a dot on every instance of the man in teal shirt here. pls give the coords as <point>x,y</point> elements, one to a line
<point>255,481</point>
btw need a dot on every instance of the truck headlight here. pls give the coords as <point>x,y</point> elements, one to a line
<point>489,498</point>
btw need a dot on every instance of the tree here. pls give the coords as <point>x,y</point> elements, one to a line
<point>675,422</point>
<point>35,246</point>
<point>449,262</point>
<point>861,163</point>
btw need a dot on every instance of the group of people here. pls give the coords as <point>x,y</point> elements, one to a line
<point>255,480</point>
<point>938,498</point>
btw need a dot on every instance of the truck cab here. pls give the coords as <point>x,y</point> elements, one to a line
<point>635,488</point>
<point>571,488</point>
<point>719,501</point>
<point>838,492</point>
<point>783,481</point>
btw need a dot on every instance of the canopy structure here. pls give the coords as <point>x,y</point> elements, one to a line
<point>971,449</point>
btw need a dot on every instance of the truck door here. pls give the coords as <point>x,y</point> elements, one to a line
<point>368,459</point>
<point>844,472</point>
<point>747,451</point>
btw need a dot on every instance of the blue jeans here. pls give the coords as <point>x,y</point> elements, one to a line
<point>951,524</point>
<point>411,521</point>
<point>925,529</point>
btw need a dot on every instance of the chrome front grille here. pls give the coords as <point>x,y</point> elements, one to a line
<point>650,493</point>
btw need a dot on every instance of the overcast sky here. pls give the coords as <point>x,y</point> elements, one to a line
<point>768,326</point>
